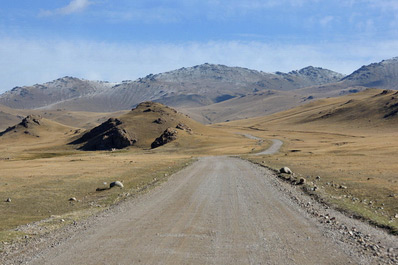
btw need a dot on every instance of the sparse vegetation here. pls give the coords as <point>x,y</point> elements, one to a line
<point>352,162</point>
<point>41,174</point>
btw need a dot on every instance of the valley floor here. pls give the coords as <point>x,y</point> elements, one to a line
<point>219,210</point>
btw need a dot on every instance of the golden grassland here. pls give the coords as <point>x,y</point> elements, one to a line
<point>40,172</point>
<point>346,141</point>
<point>359,153</point>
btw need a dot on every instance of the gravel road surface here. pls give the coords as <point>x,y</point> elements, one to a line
<point>220,210</point>
<point>273,149</point>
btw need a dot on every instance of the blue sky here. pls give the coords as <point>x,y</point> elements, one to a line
<point>116,40</point>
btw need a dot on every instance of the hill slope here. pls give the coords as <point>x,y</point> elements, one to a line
<point>186,87</point>
<point>42,95</point>
<point>33,133</point>
<point>380,75</point>
<point>142,126</point>
<point>370,109</point>
<point>209,93</point>
<point>8,117</point>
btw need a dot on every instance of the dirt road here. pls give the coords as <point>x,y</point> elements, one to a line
<point>220,210</point>
<point>273,149</point>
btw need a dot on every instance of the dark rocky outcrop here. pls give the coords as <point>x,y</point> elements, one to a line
<point>109,135</point>
<point>31,120</point>
<point>184,127</point>
<point>109,124</point>
<point>159,121</point>
<point>115,138</point>
<point>167,136</point>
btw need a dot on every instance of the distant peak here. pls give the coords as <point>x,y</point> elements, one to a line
<point>392,60</point>
<point>311,71</point>
<point>68,78</point>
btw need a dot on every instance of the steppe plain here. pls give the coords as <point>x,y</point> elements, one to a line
<point>342,149</point>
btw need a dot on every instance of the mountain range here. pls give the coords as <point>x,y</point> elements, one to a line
<point>208,92</point>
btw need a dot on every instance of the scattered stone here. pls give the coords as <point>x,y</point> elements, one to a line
<point>285,170</point>
<point>342,187</point>
<point>116,184</point>
<point>8,200</point>
<point>318,177</point>
<point>396,215</point>
<point>301,181</point>
<point>159,121</point>
<point>184,127</point>
<point>73,199</point>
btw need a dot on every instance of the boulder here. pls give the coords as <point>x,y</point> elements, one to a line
<point>116,184</point>
<point>285,170</point>
<point>301,181</point>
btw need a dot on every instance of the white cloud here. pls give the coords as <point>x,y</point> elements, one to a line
<point>385,5</point>
<point>326,20</point>
<point>75,6</point>
<point>26,62</point>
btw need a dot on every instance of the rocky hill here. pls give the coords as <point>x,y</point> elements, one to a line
<point>317,75</point>
<point>44,95</point>
<point>148,125</point>
<point>379,75</point>
<point>208,92</point>
<point>36,128</point>
<point>186,87</point>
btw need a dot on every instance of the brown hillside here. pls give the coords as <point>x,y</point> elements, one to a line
<point>35,132</point>
<point>348,141</point>
<point>8,117</point>
<point>140,127</point>
<point>34,126</point>
<point>372,108</point>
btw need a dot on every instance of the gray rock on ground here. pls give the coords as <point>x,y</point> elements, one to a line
<point>116,184</point>
<point>301,181</point>
<point>285,170</point>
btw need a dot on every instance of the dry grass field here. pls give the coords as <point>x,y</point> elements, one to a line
<point>349,141</point>
<point>40,171</point>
